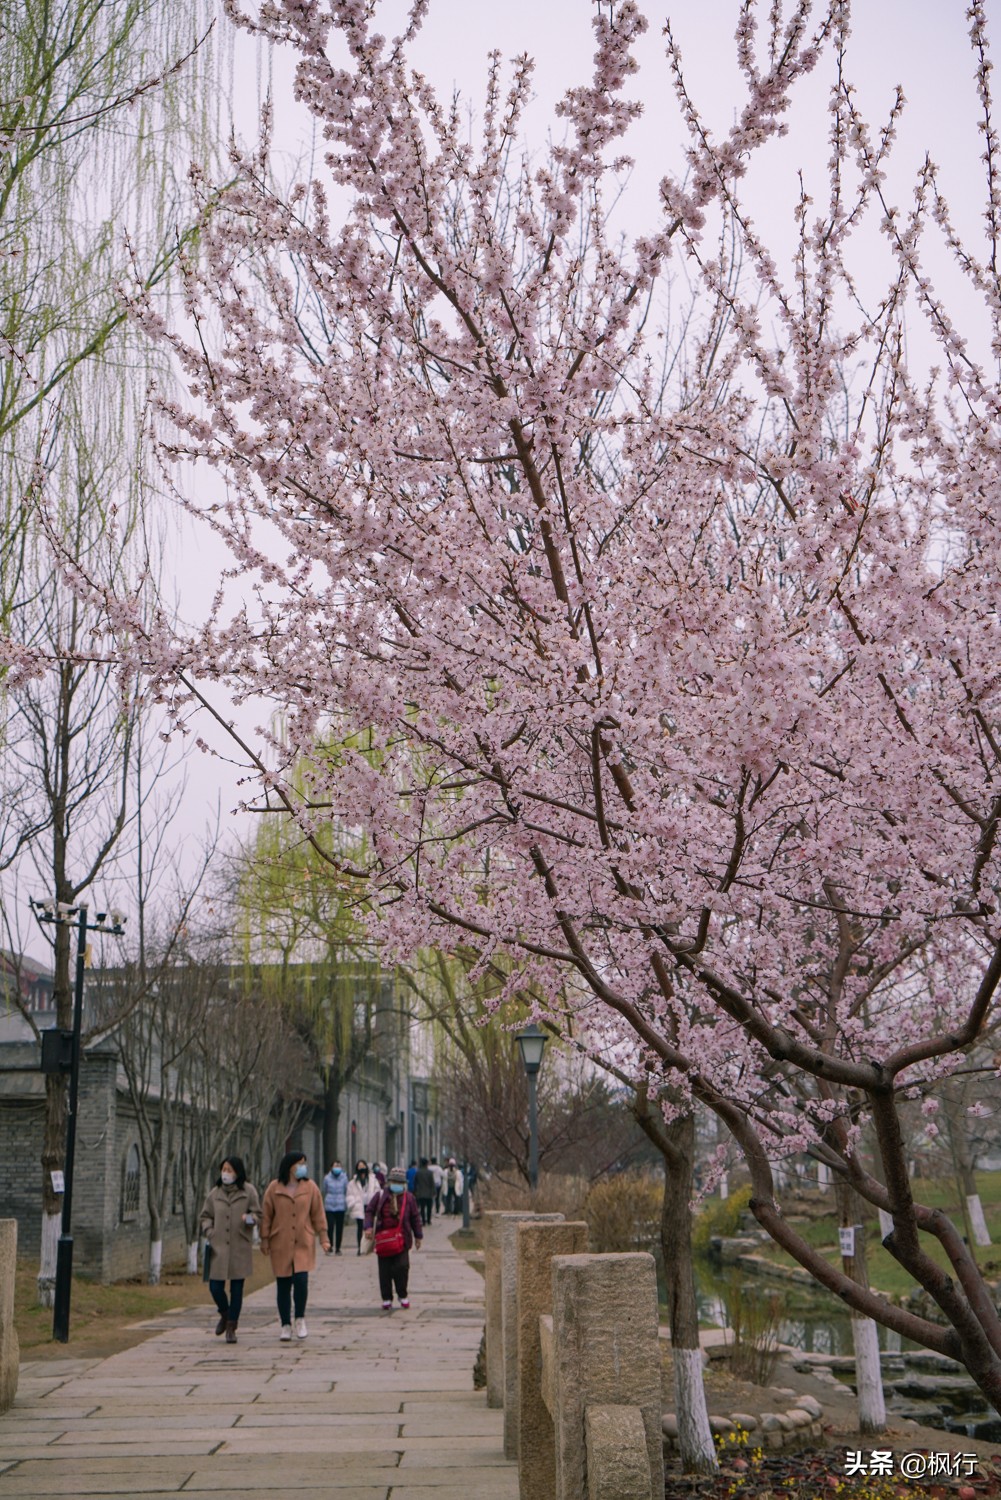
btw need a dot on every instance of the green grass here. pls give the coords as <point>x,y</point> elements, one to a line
<point>885,1274</point>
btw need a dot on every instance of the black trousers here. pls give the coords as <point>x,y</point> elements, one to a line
<point>425,1205</point>
<point>453,1203</point>
<point>228,1307</point>
<point>394,1270</point>
<point>335,1226</point>
<point>360,1226</point>
<point>287,1287</point>
<point>437,1200</point>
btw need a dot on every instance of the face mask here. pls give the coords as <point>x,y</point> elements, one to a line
<point>227,1178</point>
<point>336,1172</point>
<point>301,1171</point>
<point>362,1173</point>
<point>396,1187</point>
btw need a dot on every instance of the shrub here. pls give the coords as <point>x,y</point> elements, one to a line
<point>623,1213</point>
<point>721,1216</point>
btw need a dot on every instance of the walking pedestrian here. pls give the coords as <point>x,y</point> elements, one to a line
<point>292,1220</point>
<point>361,1189</point>
<point>392,1219</point>
<point>230,1213</point>
<point>335,1202</point>
<point>453,1187</point>
<point>411,1174</point>
<point>438,1176</point>
<point>424,1190</point>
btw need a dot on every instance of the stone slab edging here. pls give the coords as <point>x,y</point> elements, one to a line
<point>772,1430</point>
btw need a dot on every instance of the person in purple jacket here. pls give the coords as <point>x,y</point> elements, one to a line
<point>394,1208</point>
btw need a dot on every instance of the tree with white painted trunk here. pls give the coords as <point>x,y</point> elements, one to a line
<point>699,653</point>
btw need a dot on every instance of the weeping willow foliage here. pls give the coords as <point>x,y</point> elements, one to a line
<point>304,944</point>
<point>102,105</point>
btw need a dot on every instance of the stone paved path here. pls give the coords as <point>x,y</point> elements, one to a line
<point>368,1407</point>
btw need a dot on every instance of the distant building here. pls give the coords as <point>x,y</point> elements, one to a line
<point>387,1111</point>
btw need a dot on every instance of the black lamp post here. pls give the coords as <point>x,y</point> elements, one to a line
<point>532,1042</point>
<point>61,914</point>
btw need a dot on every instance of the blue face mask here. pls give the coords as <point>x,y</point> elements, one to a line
<point>336,1172</point>
<point>396,1187</point>
<point>301,1171</point>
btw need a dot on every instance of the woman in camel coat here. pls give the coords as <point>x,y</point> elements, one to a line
<point>292,1220</point>
<point>229,1215</point>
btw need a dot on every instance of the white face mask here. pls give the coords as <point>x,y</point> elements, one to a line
<point>227,1178</point>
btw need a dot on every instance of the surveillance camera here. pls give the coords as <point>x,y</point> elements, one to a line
<point>64,908</point>
<point>117,920</point>
<point>101,916</point>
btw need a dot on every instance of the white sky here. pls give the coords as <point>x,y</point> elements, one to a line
<point>921,44</point>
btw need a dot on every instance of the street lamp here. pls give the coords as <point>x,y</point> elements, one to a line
<point>532,1042</point>
<point>63,914</point>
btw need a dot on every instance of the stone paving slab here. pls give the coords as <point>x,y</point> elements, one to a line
<point>368,1407</point>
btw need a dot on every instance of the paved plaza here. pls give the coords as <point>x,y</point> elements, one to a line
<point>368,1407</point>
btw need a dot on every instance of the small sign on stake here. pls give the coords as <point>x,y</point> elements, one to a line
<point>846,1236</point>
<point>58,1182</point>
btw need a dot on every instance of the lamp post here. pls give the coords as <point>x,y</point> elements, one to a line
<point>532,1042</point>
<point>62,914</point>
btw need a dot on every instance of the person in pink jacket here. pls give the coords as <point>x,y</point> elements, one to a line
<point>292,1220</point>
<point>394,1210</point>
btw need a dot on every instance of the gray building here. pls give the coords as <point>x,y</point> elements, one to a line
<point>386,1112</point>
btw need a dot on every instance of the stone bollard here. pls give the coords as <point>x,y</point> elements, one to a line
<point>492,1220</point>
<point>607,1352</point>
<point>536,1246</point>
<point>509,1318</point>
<point>9,1350</point>
<point>615,1445</point>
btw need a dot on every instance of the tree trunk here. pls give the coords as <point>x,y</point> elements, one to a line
<point>695,1439</point>
<point>865,1337</point>
<point>331,1116</point>
<point>192,1266</point>
<point>53,1160</point>
<point>973,1209</point>
<point>155,1256</point>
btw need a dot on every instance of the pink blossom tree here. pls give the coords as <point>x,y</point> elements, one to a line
<point>666,657</point>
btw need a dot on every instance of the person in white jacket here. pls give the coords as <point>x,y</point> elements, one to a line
<point>452,1185</point>
<point>361,1190</point>
<point>439,1178</point>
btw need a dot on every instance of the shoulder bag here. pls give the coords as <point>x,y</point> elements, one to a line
<point>390,1241</point>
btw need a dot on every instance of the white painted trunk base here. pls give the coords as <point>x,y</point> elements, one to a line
<point>981,1234</point>
<point>155,1261</point>
<point>868,1376</point>
<point>885,1223</point>
<point>724,1186</point>
<point>193,1267</point>
<point>51,1226</point>
<point>695,1440</point>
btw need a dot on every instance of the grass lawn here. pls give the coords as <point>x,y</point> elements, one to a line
<point>104,1319</point>
<point>884,1272</point>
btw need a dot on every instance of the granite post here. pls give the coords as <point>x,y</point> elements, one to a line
<point>536,1246</point>
<point>9,1350</point>
<point>607,1350</point>
<point>509,1318</point>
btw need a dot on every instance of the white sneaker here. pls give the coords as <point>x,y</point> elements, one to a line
<point>286,1332</point>
<point>300,1328</point>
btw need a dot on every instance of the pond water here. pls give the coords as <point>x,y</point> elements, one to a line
<point>815,1322</point>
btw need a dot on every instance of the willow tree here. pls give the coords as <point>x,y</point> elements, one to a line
<point>100,102</point>
<point>305,947</point>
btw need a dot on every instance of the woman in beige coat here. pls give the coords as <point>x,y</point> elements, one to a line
<point>230,1214</point>
<point>292,1221</point>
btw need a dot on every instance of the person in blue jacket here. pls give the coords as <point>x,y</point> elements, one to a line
<point>335,1202</point>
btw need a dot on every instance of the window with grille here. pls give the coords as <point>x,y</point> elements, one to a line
<point>130,1184</point>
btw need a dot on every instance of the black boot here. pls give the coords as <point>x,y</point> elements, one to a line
<point>221,1325</point>
<point>230,1331</point>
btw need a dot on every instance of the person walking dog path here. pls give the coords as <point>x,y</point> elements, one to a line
<point>367,1408</point>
